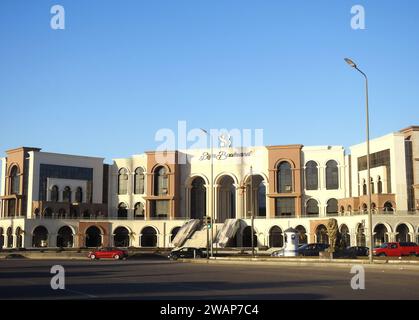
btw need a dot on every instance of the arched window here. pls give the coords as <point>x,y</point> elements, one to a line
<point>123,181</point>
<point>312,176</point>
<point>122,210</point>
<point>364,187</point>
<point>148,237</point>
<point>198,198</point>
<point>160,181</point>
<point>284,177</point>
<point>19,237</point>
<point>312,207</point>
<point>121,237</point>
<point>379,186</point>
<point>302,234</point>
<point>380,234</point>
<point>9,234</point>
<point>65,237</point>
<point>345,236</point>
<point>332,207</point>
<point>360,236</point>
<point>40,237</point>
<point>388,207</point>
<point>67,194</point>
<point>173,234</point>
<point>93,237</point>
<point>402,233</point>
<point>139,181</point>
<point>261,200</point>
<point>139,210</point>
<point>276,239</point>
<point>14,180</point>
<point>54,194</point>
<point>321,234</point>
<point>79,195</point>
<point>349,209</point>
<point>332,175</point>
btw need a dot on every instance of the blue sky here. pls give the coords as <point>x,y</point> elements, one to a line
<point>121,70</point>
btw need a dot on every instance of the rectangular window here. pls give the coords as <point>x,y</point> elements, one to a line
<point>285,207</point>
<point>161,208</point>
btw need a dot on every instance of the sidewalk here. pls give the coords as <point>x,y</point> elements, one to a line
<point>310,262</point>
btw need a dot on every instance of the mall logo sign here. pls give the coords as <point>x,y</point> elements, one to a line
<point>183,140</point>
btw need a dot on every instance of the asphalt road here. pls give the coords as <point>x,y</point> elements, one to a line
<point>162,279</point>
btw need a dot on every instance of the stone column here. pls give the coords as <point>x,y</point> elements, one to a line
<point>52,240</point>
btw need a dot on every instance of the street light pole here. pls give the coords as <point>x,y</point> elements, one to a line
<point>212,190</point>
<point>353,65</point>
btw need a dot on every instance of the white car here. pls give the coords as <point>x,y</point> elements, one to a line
<point>278,253</point>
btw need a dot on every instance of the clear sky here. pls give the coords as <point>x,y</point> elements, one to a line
<point>121,70</point>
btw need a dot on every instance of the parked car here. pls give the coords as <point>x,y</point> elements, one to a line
<point>352,252</point>
<point>108,253</point>
<point>397,249</point>
<point>312,249</point>
<point>278,253</point>
<point>186,253</point>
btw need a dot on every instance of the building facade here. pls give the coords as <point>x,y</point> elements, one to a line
<point>143,201</point>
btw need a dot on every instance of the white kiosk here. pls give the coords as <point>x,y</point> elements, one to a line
<point>291,243</point>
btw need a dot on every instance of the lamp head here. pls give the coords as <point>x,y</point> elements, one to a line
<point>350,62</point>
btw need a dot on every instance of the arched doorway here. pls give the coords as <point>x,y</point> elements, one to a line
<point>40,237</point>
<point>321,234</point>
<point>9,234</point>
<point>198,198</point>
<point>255,196</point>
<point>380,234</point>
<point>276,239</point>
<point>302,234</point>
<point>19,237</point>
<point>93,237</point>
<point>345,236</point>
<point>247,237</point>
<point>121,237</point>
<point>65,237</point>
<point>360,236</point>
<point>226,199</point>
<point>148,237</point>
<point>402,233</point>
<point>173,234</point>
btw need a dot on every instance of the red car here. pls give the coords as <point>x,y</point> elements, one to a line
<point>397,249</point>
<point>108,253</point>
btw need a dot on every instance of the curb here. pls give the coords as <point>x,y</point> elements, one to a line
<point>385,264</point>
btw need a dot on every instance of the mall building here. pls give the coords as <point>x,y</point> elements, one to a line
<point>159,199</point>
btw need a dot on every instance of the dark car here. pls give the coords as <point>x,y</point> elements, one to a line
<point>312,249</point>
<point>351,252</point>
<point>186,253</point>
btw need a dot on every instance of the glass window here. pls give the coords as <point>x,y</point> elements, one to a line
<point>54,194</point>
<point>332,175</point>
<point>139,181</point>
<point>67,194</point>
<point>123,181</point>
<point>312,207</point>
<point>285,207</point>
<point>160,181</point>
<point>312,176</point>
<point>14,180</point>
<point>79,195</point>
<point>332,206</point>
<point>284,178</point>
